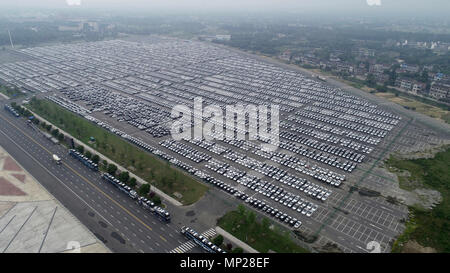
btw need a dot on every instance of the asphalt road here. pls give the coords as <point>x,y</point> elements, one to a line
<point>113,217</point>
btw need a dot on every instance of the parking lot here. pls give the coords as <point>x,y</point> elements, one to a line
<point>329,138</point>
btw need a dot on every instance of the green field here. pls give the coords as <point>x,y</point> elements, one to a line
<point>243,224</point>
<point>158,172</point>
<point>430,228</point>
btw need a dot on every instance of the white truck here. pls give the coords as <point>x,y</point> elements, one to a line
<point>56,159</point>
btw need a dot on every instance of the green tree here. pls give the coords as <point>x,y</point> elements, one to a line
<point>132,182</point>
<point>112,169</point>
<point>370,81</point>
<point>157,200</point>
<point>237,250</point>
<point>124,177</point>
<point>218,240</point>
<point>144,189</point>
<point>55,132</point>
<point>241,209</point>
<point>424,77</point>
<point>80,149</point>
<point>60,136</point>
<point>251,218</point>
<point>95,159</point>
<point>88,154</point>
<point>265,224</point>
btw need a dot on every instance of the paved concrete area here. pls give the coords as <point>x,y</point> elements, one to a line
<point>32,220</point>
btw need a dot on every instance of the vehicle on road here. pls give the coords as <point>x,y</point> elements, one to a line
<point>56,159</point>
<point>200,240</point>
<point>83,159</point>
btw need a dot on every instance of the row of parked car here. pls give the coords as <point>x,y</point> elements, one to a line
<point>309,208</point>
<point>278,194</point>
<point>200,240</point>
<point>341,123</point>
<point>158,131</point>
<point>372,114</point>
<point>326,148</point>
<point>134,111</point>
<point>379,126</point>
<point>185,150</point>
<point>336,130</point>
<point>303,166</point>
<point>274,212</point>
<point>359,109</point>
<point>69,105</point>
<point>311,189</point>
<point>83,159</point>
<point>209,145</point>
<point>144,202</point>
<point>322,145</point>
<point>120,185</point>
<point>321,157</point>
<point>324,136</point>
<point>12,110</point>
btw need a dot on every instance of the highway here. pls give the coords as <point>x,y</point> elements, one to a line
<point>113,217</point>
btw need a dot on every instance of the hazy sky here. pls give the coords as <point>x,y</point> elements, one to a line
<point>342,6</point>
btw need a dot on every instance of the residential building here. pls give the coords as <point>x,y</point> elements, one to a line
<point>405,68</point>
<point>440,89</point>
<point>410,85</point>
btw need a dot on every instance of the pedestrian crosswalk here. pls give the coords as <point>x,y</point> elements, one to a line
<point>209,233</point>
<point>186,247</point>
<point>183,248</point>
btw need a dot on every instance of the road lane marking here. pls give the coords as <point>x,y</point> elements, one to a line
<point>56,177</point>
<point>82,177</point>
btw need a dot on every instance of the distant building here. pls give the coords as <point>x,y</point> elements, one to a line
<point>381,77</point>
<point>403,83</point>
<point>364,52</point>
<point>405,68</point>
<point>71,27</point>
<point>310,61</point>
<point>440,89</point>
<point>344,67</point>
<point>410,85</point>
<point>223,37</point>
<point>378,68</point>
<point>361,69</point>
<point>90,27</point>
<point>441,76</point>
<point>418,87</point>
